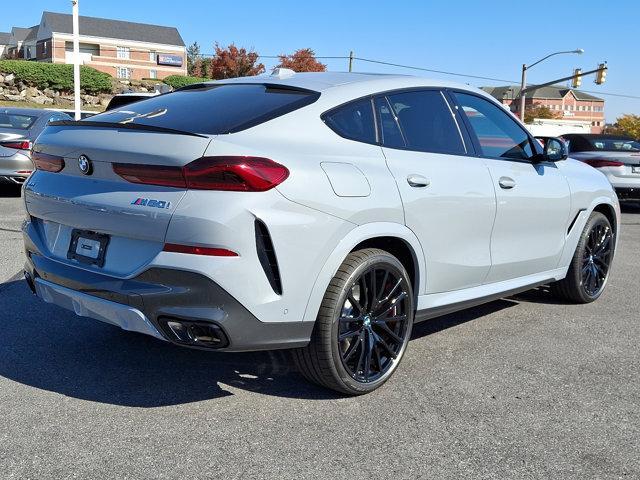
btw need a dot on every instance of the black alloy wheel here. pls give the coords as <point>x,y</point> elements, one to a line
<point>596,259</point>
<point>363,325</point>
<point>373,323</point>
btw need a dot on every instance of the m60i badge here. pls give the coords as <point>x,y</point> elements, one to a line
<point>150,202</point>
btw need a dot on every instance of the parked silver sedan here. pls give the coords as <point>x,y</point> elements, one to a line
<point>19,127</point>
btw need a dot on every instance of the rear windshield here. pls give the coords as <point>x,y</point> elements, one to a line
<point>212,109</point>
<point>17,121</point>
<point>615,144</point>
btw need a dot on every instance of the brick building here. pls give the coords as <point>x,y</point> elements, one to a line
<point>122,49</point>
<point>566,103</point>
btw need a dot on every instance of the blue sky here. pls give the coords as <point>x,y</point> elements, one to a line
<point>472,37</point>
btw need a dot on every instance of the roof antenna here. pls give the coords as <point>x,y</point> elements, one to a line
<point>282,72</point>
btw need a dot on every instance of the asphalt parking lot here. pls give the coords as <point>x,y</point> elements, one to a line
<point>519,388</point>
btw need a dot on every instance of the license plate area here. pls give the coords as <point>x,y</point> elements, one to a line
<point>635,169</point>
<point>88,247</point>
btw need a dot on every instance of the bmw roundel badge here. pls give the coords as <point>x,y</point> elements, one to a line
<point>84,164</point>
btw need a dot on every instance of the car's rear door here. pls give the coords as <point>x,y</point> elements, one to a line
<point>533,198</point>
<point>448,196</point>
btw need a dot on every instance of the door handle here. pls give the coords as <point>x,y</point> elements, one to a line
<point>417,181</point>
<point>506,183</point>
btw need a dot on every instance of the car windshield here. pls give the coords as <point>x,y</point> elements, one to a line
<point>17,121</point>
<point>212,109</point>
<point>615,144</point>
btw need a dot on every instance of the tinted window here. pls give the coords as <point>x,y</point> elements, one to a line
<point>390,135</point>
<point>498,134</point>
<point>212,109</point>
<point>427,122</point>
<point>17,121</point>
<point>577,143</point>
<point>610,144</point>
<point>354,121</point>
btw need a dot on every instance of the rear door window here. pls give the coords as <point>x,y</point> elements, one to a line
<point>353,121</point>
<point>427,122</point>
<point>213,109</point>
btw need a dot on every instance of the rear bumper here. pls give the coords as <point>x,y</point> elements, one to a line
<point>140,304</point>
<point>628,193</point>
<point>16,168</point>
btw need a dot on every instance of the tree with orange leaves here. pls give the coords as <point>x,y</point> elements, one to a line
<point>233,62</point>
<point>303,60</point>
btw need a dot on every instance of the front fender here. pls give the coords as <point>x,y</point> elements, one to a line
<point>358,235</point>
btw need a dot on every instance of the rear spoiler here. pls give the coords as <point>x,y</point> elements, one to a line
<point>122,126</point>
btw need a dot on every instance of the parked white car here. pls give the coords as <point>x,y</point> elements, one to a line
<point>322,212</point>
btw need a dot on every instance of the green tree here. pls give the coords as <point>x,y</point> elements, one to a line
<point>193,55</point>
<point>538,111</point>
<point>628,125</point>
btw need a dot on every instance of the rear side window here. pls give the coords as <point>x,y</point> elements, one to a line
<point>498,134</point>
<point>213,109</point>
<point>353,121</point>
<point>427,122</point>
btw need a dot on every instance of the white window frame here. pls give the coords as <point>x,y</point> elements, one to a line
<point>123,53</point>
<point>125,70</point>
<point>153,73</point>
<point>153,55</point>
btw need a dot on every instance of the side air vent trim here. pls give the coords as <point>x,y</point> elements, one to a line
<point>267,256</point>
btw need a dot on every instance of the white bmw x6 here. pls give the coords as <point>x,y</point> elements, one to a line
<point>319,212</point>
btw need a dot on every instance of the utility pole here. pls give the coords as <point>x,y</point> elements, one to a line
<point>350,60</point>
<point>76,60</point>
<point>523,85</point>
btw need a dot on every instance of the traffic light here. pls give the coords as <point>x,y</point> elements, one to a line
<point>576,81</point>
<point>601,75</point>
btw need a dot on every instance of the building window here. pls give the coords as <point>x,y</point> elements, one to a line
<point>44,49</point>
<point>152,56</point>
<point>153,74</point>
<point>123,72</point>
<point>123,53</point>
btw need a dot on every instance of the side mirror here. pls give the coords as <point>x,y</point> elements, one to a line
<point>555,150</point>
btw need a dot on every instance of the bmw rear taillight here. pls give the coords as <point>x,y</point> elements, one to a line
<point>151,174</point>
<point>233,173</point>
<point>601,162</point>
<point>46,162</point>
<point>18,145</point>
<point>241,174</point>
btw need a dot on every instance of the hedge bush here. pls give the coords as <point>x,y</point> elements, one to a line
<point>56,76</point>
<point>177,81</point>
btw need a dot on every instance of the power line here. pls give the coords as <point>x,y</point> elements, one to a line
<point>411,67</point>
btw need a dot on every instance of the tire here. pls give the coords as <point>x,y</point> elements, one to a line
<point>581,285</point>
<point>363,325</point>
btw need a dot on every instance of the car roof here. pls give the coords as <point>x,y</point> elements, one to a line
<point>36,112</point>
<point>321,81</point>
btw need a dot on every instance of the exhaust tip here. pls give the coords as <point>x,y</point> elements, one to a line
<point>29,279</point>
<point>194,333</point>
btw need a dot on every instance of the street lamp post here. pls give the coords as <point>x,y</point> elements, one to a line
<point>526,67</point>
<point>76,61</point>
